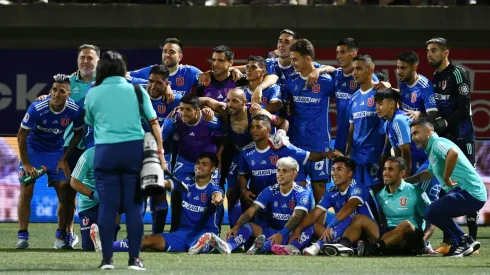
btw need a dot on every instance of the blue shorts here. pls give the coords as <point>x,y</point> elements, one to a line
<point>368,174</point>
<point>431,187</point>
<point>181,240</point>
<point>233,172</point>
<point>185,169</point>
<point>49,160</point>
<point>318,171</point>
<point>87,218</point>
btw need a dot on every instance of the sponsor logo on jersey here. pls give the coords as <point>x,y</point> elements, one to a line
<point>281,217</point>
<point>50,130</point>
<point>193,208</point>
<point>266,172</point>
<point>306,99</point>
<point>362,114</point>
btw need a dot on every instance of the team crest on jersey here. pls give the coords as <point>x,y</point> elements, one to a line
<point>414,98</point>
<point>179,81</point>
<point>274,159</point>
<point>162,109</point>
<point>370,101</point>
<point>352,84</point>
<point>316,88</point>
<point>65,121</point>
<point>85,221</point>
<point>204,197</point>
<point>443,84</point>
<point>403,201</point>
<point>292,204</point>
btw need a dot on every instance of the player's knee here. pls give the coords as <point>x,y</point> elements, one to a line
<point>406,227</point>
<point>155,241</point>
<point>26,192</point>
<point>358,220</point>
<point>431,214</point>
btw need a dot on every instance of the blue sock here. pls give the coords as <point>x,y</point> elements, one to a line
<point>320,243</point>
<point>242,236</point>
<point>23,235</point>
<point>121,246</point>
<point>267,247</point>
<point>234,213</point>
<point>69,236</point>
<point>60,234</point>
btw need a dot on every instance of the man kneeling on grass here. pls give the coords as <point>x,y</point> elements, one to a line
<point>402,208</point>
<point>196,219</point>
<point>286,202</point>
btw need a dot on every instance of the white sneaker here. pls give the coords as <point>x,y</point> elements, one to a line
<point>337,249</point>
<point>313,250</point>
<point>219,244</point>
<point>71,242</point>
<point>22,244</point>
<point>210,3</point>
<point>59,243</point>
<point>201,243</point>
<point>94,236</point>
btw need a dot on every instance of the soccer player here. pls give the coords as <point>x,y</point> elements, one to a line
<point>397,128</point>
<point>157,85</point>
<point>310,112</point>
<point>401,208</point>
<point>345,87</point>
<point>221,79</point>
<point>195,135</point>
<point>255,73</point>
<point>182,78</point>
<point>417,94</point>
<point>452,87</point>
<point>40,140</point>
<point>258,159</point>
<point>465,191</point>
<point>201,209</point>
<point>286,202</point>
<point>348,199</point>
<point>365,139</point>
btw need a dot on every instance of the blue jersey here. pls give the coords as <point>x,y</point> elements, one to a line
<point>345,87</point>
<point>261,164</point>
<point>47,127</point>
<point>368,140</point>
<point>163,109</point>
<point>281,206</point>
<point>273,67</point>
<point>193,139</point>
<point>418,96</point>
<point>269,94</point>
<point>181,81</point>
<point>336,199</point>
<point>194,206</point>
<point>398,131</point>
<point>310,111</point>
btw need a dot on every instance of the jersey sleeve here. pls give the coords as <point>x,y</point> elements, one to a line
<point>30,117</point>
<point>143,73</point>
<point>215,124</point>
<point>349,111</point>
<point>329,86</point>
<point>216,189</point>
<point>264,198</point>
<point>317,65</point>
<point>79,121</point>
<point>147,106</point>
<point>194,75</point>
<point>429,98</point>
<point>82,168</point>
<point>422,201</point>
<point>401,129</point>
<point>270,66</point>
<point>275,93</point>
<point>359,193</point>
<point>89,116</point>
<point>300,155</point>
<point>440,149</point>
<point>243,168</point>
<point>463,103</point>
<point>303,201</point>
<point>325,203</point>
<point>168,128</point>
<point>375,78</point>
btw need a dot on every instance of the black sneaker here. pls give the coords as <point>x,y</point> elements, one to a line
<point>106,264</point>
<point>136,264</point>
<point>460,250</point>
<point>474,244</point>
<point>367,249</point>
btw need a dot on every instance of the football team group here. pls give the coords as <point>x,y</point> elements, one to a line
<point>401,164</point>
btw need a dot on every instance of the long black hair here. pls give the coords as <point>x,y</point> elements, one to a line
<point>111,63</point>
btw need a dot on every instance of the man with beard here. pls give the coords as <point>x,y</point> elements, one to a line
<point>452,87</point>
<point>182,78</point>
<point>465,191</point>
<point>221,79</point>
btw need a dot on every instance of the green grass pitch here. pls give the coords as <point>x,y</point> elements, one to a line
<point>41,258</point>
